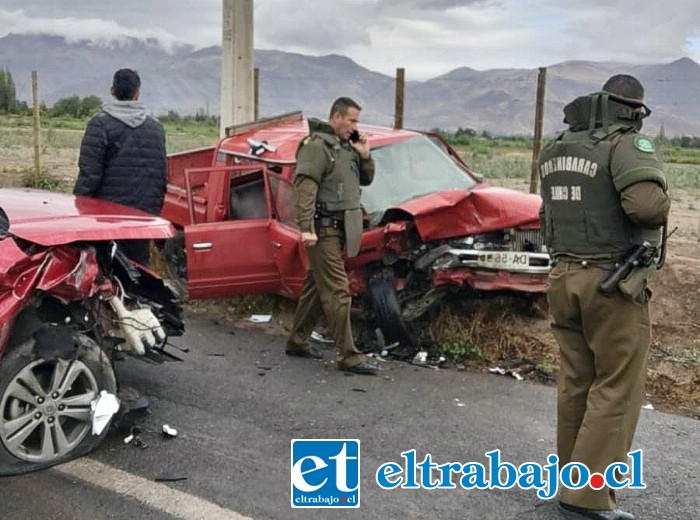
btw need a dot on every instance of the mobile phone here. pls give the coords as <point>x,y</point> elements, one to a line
<point>354,136</point>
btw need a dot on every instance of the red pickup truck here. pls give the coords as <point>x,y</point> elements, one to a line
<point>433,226</point>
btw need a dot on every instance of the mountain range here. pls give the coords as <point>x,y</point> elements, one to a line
<point>498,101</point>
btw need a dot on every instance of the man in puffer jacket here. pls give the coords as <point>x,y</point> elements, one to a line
<point>122,156</point>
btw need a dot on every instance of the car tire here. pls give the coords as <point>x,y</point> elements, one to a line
<point>387,309</point>
<point>44,422</point>
<point>176,261</point>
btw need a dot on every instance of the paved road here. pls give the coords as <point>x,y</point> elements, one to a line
<point>237,402</point>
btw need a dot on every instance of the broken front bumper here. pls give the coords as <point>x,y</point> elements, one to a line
<point>525,262</point>
<point>487,270</point>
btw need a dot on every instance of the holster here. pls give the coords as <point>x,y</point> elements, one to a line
<point>635,284</point>
<point>327,221</point>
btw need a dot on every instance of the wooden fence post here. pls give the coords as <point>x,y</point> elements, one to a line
<point>537,139</point>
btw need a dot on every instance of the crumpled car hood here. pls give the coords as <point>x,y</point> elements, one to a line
<point>49,218</point>
<point>457,213</point>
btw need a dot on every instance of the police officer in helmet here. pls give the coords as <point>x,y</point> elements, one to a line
<point>604,193</point>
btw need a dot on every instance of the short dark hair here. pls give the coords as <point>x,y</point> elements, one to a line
<point>126,84</point>
<point>342,104</point>
<point>626,88</point>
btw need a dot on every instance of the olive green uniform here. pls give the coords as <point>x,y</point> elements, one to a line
<point>329,173</point>
<point>603,192</point>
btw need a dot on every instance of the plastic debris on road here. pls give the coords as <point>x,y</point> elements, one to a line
<point>420,358</point>
<point>103,409</point>
<point>503,372</point>
<point>321,338</point>
<point>168,431</point>
<point>260,318</point>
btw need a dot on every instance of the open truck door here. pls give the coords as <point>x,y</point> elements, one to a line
<point>227,244</point>
<point>289,252</point>
<point>234,243</point>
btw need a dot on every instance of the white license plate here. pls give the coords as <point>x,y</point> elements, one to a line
<point>504,260</point>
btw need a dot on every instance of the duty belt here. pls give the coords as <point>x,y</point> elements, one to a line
<point>327,221</point>
<point>606,266</point>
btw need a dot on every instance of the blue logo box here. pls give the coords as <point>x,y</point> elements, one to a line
<point>325,473</point>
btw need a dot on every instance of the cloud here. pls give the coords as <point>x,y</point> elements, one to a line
<point>427,37</point>
<point>79,29</point>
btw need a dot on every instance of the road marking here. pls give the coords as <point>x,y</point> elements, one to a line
<point>153,494</point>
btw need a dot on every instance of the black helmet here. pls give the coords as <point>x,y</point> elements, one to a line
<point>626,89</point>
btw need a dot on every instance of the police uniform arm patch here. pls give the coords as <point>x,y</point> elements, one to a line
<point>630,164</point>
<point>644,144</point>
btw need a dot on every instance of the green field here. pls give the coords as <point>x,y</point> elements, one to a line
<point>493,157</point>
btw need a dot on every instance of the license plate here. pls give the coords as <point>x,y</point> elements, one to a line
<point>504,260</point>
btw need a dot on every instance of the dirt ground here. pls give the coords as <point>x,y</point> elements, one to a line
<point>674,365</point>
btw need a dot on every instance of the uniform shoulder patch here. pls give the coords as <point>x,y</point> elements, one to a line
<point>644,144</point>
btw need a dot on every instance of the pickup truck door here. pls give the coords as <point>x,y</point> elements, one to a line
<point>288,250</point>
<point>227,243</point>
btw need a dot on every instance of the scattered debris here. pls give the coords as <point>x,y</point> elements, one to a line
<point>321,338</point>
<point>648,406</point>
<point>134,437</point>
<point>103,409</point>
<point>170,477</point>
<point>503,372</point>
<point>260,318</point>
<point>420,358</point>
<point>168,432</point>
<point>139,405</point>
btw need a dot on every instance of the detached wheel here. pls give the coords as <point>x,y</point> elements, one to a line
<point>176,261</point>
<point>387,310</point>
<point>45,415</point>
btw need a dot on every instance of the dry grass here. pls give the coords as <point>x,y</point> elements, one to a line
<point>497,331</point>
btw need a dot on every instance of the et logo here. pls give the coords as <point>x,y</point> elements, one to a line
<point>325,473</point>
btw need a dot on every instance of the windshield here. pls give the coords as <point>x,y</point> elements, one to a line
<point>409,169</point>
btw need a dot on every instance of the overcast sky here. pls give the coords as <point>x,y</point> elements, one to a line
<point>426,37</point>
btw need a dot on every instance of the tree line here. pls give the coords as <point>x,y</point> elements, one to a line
<point>72,106</point>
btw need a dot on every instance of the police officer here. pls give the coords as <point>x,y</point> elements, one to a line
<point>604,192</point>
<point>332,163</point>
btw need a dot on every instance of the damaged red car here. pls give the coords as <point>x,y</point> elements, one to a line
<point>69,302</point>
<point>433,227</point>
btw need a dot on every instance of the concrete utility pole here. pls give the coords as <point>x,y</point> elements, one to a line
<point>237,103</point>
<point>537,139</point>
<point>398,99</point>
